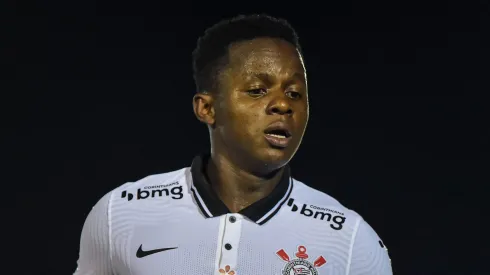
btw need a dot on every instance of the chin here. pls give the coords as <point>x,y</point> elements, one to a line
<point>276,158</point>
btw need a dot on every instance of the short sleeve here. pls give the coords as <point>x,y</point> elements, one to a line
<point>94,255</point>
<point>369,255</point>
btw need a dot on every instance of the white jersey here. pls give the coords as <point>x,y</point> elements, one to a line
<point>173,223</point>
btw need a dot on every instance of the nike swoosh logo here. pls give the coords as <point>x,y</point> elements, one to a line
<point>140,253</point>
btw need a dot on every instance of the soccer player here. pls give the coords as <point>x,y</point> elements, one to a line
<point>236,210</point>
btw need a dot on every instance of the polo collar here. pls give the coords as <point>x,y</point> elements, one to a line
<point>211,206</point>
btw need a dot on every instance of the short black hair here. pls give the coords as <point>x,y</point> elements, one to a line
<point>211,51</point>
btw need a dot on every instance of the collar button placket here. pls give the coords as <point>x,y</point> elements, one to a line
<point>230,244</point>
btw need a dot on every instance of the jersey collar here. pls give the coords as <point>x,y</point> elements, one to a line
<point>211,206</point>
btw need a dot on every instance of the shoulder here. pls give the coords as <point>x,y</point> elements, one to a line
<point>317,205</point>
<point>319,200</point>
<point>167,180</point>
<point>169,184</point>
<point>369,255</point>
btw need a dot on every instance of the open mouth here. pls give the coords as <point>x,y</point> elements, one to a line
<point>278,136</point>
<point>278,133</point>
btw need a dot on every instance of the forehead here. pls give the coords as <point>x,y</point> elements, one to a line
<point>267,55</point>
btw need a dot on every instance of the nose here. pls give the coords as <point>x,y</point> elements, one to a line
<point>279,106</point>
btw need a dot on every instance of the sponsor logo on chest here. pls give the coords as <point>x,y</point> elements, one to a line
<point>172,190</point>
<point>335,218</point>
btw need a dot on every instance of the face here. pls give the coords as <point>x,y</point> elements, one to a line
<point>260,112</point>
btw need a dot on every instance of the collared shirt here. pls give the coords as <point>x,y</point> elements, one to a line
<point>174,223</point>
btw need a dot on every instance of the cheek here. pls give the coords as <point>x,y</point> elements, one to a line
<point>304,117</point>
<point>303,114</point>
<point>245,120</point>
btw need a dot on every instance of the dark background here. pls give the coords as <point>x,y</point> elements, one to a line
<point>397,132</point>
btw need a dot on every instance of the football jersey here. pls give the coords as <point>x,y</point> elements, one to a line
<point>174,223</point>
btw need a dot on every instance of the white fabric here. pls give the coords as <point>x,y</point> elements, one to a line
<point>367,257</point>
<point>160,212</point>
<point>94,256</point>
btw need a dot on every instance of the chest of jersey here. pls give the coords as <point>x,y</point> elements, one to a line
<point>182,241</point>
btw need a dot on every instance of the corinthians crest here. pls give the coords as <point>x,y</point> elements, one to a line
<point>300,265</point>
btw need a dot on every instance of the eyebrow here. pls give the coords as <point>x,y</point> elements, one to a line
<point>301,76</point>
<point>269,78</point>
<point>265,77</point>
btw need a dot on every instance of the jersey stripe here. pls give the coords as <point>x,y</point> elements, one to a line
<point>200,203</point>
<point>278,206</point>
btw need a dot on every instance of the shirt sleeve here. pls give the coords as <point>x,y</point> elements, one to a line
<point>369,255</point>
<point>94,255</point>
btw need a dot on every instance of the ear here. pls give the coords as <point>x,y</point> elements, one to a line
<point>204,108</point>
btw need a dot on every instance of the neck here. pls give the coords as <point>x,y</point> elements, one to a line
<point>236,187</point>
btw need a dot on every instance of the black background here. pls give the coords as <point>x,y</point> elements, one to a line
<point>398,129</point>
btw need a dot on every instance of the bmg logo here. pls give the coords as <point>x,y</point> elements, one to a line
<point>336,221</point>
<point>175,193</point>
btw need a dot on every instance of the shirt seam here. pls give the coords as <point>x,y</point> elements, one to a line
<point>351,247</point>
<point>109,225</point>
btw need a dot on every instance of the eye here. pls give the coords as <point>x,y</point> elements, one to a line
<point>256,92</point>
<point>293,94</point>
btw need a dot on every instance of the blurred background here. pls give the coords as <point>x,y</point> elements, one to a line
<point>398,131</point>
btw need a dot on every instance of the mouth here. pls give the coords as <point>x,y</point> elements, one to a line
<point>278,135</point>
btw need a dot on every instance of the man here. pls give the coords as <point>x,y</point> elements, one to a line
<point>236,210</point>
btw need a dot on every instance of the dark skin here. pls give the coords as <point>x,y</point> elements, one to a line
<point>263,82</point>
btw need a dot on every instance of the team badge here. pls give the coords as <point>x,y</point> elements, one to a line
<point>300,265</point>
